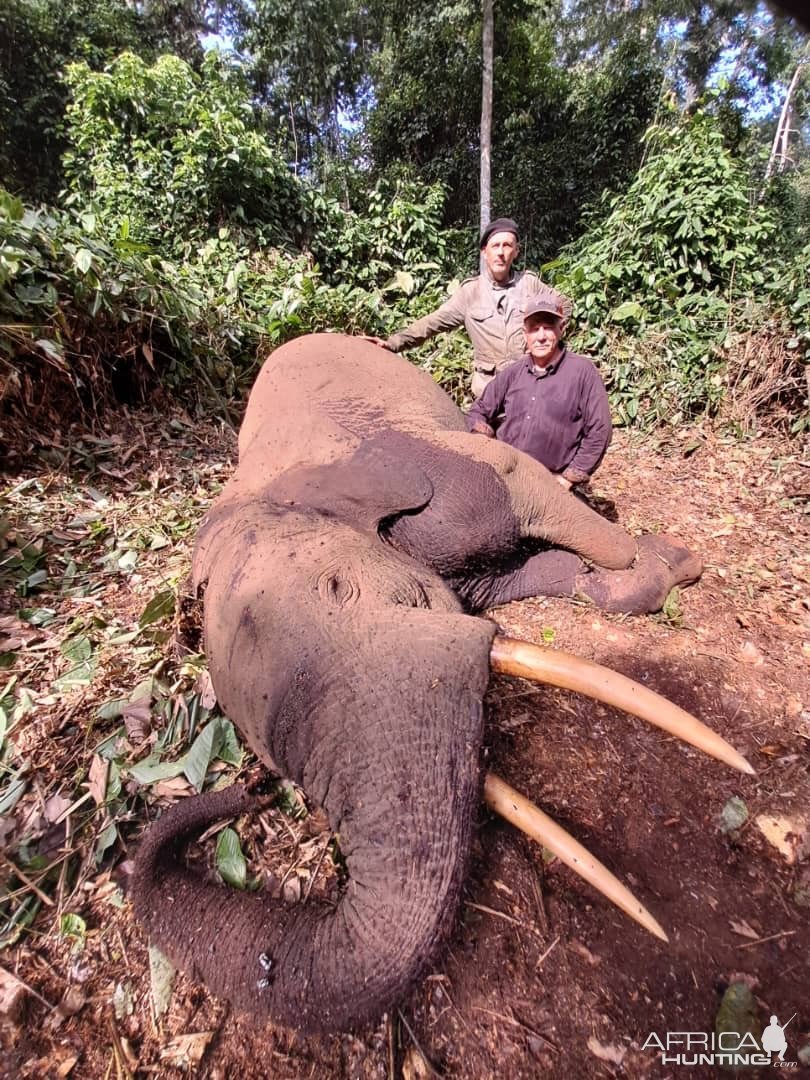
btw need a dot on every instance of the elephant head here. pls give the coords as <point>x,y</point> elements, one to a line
<point>339,568</point>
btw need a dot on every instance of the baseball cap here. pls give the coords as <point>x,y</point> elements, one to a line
<point>549,302</point>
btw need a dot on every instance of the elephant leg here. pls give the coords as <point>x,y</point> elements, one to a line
<point>536,505</point>
<point>661,564</point>
<point>551,572</point>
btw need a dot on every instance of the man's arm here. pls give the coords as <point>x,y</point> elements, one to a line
<point>597,430</point>
<point>482,414</point>
<point>447,317</point>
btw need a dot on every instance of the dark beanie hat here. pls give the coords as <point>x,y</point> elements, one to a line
<point>501,224</point>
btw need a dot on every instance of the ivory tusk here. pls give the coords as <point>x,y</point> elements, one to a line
<point>510,656</point>
<point>524,815</point>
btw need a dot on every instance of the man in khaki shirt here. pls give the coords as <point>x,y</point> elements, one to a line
<point>488,306</point>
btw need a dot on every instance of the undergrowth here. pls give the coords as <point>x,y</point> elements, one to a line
<point>682,280</point>
<point>686,289</point>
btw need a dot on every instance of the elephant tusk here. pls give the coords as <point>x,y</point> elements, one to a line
<point>524,815</point>
<point>510,656</point>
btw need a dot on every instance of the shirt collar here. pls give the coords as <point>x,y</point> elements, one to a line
<point>543,373</point>
<point>500,286</point>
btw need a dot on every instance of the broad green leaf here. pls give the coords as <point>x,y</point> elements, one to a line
<point>159,607</point>
<point>105,841</point>
<point>230,751</point>
<point>39,577</point>
<point>110,747</point>
<point>151,769</point>
<point>79,675</point>
<point>628,310</point>
<point>37,616</point>
<point>125,638</point>
<point>113,782</point>
<point>83,259</point>
<point>230,861</point>
<point>74,928</point>
<point>11,207</point>
<point>214,741</point>
<point>405,281</point>
<point>195,761</point>
<point>77,648</point>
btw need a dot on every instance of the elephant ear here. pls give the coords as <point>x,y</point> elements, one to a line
<point>361,490</point>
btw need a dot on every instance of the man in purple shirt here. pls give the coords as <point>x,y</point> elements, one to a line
<point>552,403</point>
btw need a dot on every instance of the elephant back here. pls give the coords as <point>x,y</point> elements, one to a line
<point>338,391</point>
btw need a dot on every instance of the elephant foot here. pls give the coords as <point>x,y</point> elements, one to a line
<point>661,564</point>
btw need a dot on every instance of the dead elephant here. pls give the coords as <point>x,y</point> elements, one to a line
<point>339,565</point>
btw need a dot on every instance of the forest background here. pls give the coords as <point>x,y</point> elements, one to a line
<point>186,184</point>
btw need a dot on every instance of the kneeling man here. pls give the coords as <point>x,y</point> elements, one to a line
<point>552,403</point>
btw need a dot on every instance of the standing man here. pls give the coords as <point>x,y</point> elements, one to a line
<point>552,403</point>
<point>488,306</point>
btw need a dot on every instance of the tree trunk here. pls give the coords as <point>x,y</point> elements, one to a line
<point>779,151</point>
<point>488,35</point>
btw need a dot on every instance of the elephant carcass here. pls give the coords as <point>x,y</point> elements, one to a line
<point>338,567</point>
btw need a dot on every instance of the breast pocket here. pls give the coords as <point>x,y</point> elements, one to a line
<point>482,328</point>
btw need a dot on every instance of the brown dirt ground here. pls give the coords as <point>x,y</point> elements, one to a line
<point>542,978</point>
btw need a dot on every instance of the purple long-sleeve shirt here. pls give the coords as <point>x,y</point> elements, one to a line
<point>559,415</point>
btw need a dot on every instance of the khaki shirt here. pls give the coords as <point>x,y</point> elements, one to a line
<point>490,312</point>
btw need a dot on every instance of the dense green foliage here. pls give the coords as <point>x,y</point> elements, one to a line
<point>173,152</point>
<point>78,289</point>
<point>664,277</point>
<point>204,206</point>
<point>38,39</point>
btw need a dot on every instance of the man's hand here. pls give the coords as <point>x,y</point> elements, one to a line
<point>481,427</point>
<point>380,342</point>
<point>562,481</point>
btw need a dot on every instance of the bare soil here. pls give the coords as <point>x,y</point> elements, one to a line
<point>542,977</point>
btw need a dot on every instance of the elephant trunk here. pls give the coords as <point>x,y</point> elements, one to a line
<point>313,966</point>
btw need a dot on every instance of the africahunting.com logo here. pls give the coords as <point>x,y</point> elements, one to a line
<point>729,1048</point>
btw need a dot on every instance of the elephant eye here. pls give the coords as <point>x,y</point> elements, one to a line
<point>337,589</point>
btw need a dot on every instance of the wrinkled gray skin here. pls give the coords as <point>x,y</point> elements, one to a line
<point>338,565</point>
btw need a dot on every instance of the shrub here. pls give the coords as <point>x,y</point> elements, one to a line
<point>655,281</point>
<point>174,153</point>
